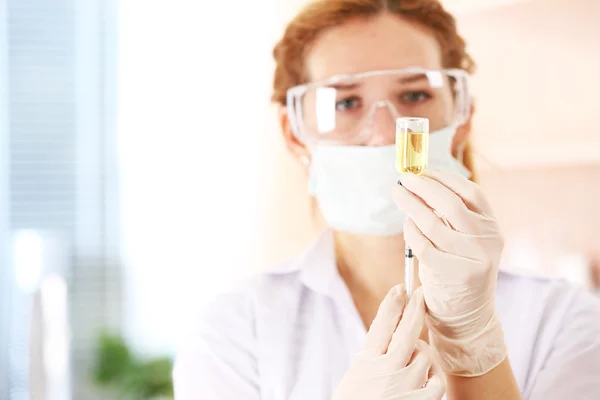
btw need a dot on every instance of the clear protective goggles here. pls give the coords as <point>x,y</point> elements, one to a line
<point>359,109</point>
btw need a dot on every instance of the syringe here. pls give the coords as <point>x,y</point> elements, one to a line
<point>412,148</point>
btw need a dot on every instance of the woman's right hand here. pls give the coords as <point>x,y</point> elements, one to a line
<point>394,364</point>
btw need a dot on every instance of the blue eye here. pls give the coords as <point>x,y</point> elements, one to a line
<point>415,97</point>
<point>347,104</point>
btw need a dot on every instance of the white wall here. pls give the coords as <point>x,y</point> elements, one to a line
<point>196,136</point>
<point>536,86</point>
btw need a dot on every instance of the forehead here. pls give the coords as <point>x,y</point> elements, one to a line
<point>382,42</point>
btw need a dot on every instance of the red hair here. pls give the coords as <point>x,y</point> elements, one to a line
<point>290,52</point>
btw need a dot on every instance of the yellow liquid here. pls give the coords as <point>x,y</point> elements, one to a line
<point>412,149</point>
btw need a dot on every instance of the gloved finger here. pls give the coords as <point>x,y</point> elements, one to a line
<point>444,201</point>
<point>437,377</point>
<point>469,191</point>
<point>420,365</point>
<point>408,331</point>
<point>443,237</point>
<point>435,386</point>
<point>435,264</point>
<point>428,222</point>
<point>385,322</point>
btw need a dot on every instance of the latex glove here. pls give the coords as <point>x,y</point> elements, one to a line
<point>458,267</point>
<point>393,363</point>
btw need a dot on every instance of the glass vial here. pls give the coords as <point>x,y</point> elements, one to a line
<point>412,144</point>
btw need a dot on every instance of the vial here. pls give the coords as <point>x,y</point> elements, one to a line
<point>412,144</point>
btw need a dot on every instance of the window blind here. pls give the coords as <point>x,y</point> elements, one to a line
<point>5,304</point>
<point>57,145</point>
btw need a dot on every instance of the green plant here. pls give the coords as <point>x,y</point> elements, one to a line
<point>128,376</point>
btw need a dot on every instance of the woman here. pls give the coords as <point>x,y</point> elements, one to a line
<point>333,322</point>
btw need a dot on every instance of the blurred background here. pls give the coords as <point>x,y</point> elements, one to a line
<point>141,170</point>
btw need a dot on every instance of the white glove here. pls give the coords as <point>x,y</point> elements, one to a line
<point>458,243</point>
<point>393,363</point>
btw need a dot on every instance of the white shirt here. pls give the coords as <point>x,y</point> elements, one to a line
<point>292,334</point>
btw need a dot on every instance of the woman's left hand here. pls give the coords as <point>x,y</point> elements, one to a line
<point>455,237</point>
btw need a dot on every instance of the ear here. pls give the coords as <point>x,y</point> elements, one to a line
<point>298,149</point>
<point>462,134</point>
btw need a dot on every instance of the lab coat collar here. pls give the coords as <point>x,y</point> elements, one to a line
<point>319,273</point>
<point>318,269</point>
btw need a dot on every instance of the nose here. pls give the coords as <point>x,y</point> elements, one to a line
<point>381,130</point>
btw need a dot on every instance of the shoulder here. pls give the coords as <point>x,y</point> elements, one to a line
<point>549,325</point>
<point>283,284</point>
<point>246,307</point>
<point>553,332</point>
<point>237,305</point>
<point>544,309</point>
<point>220,350</point>
<point>541,292</point>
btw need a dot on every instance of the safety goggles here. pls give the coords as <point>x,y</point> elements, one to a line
<point>345,109</point>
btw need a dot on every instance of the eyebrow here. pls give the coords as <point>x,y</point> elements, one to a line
<point>344,86</point>
<point>404,80</point>
<point>413,78</point>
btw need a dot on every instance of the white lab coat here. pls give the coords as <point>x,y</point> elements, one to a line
<point>291,335</point>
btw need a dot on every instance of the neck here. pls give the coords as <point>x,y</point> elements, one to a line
<point>370,265</point>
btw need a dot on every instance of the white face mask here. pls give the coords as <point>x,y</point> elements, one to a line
<point>352,184</point>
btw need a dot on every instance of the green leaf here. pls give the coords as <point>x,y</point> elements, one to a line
<point>113,359</point>
<point>127,375</point>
